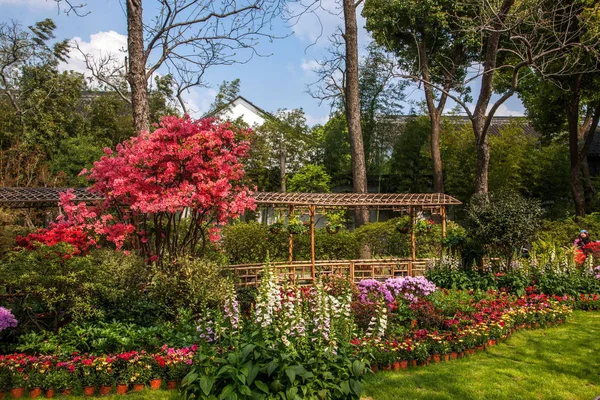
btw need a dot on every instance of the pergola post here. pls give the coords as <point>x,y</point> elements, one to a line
<point>443,215</point>
<point>290,237</point>
<point>312,210</point>
<point>413,238</point>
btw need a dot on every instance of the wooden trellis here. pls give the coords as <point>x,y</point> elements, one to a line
<point>410,202</point>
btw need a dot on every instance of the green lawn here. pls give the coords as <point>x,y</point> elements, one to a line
<point>561,362</point>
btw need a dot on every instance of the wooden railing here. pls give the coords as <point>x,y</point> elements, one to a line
<point>300,272</point>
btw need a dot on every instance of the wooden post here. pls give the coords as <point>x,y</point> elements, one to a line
<point>311,211</point>
<point>291,238</point>
<point>413,238</point>
<point>443,214</point>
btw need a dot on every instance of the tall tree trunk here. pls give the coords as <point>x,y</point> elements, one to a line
<point>480,121</point>
<point>435,116</point>
<point>352,103</point>
<point>136,75</point>
<point>436,155</point>
<point>282,168</point>
<point>482,165</point>
<point>575,163</point>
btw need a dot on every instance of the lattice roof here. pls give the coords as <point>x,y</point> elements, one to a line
<point>48,197</point>
<point>20,197</point>
<point>352,200</point>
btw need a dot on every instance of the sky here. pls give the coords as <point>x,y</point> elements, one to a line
<point>277,80</point>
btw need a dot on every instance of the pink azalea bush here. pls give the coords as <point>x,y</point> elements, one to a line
<point>167,192</point>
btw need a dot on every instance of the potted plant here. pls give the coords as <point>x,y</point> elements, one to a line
<point>88,375</point>
<point>64,378</point>
<point>335,221</point>
<point>105,374</point>
<point>296,227</point>
<point>403,225</point>
<point>35,381</point>
<point>276,227</point>
<point>175,371</point>
<point>17,379</point>
<point>158,371</point>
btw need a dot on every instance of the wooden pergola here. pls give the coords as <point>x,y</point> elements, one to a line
<point>410,202</point>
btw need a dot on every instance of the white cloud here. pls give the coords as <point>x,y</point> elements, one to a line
<point>504,111</point>
<point>198,100</point>
<point>320,22</point>
<point>312,120</point>
<point>310,65</point>
<point>29,3</point>
<point>100,45</point>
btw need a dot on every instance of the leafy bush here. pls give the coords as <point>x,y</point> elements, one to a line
<point>54,287</point>
<point>504,223</point>
<point>383,239</point>
<point>249,242</point>
<point>101,337</point>
<point>187,283</point>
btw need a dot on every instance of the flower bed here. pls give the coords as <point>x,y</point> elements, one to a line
<point>448,326</point>
<point>59,373</point>
<point>316,340</point>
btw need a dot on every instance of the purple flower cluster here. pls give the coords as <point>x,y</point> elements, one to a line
<point>371,290</point>
<point>409,288</point>
<point>597,272</point>
<point>7,319</point>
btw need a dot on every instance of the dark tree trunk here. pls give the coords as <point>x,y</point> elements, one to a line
<point>435,117</point>
<point>575,163</point>
<point>136,75</point>
<point>479,119</point>
<point>436,156</point>
<point>352,104</point>
<point>483,159</point>
<point>282,169</point>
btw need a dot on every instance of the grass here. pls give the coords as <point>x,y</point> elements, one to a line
<point>562,362</point>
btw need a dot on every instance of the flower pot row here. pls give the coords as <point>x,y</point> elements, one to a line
<point>453,355</point>
<point>89,391</point>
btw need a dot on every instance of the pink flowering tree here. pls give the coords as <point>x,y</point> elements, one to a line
<point>176,186</point>
<point>167,192</point>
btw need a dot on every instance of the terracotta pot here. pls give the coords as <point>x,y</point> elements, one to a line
<point>1,395</point>
<point>89,391</point>
<point>374,367</point>
<point>453,355</point>
<point>413,363</point>
<point>50,393</point>
<point>138,387</point>
<point>105,390</point>
<point>155,384</point>
<point>172,385</point>
<point>403,364</point>
<point>122,388</point>
<point>35,392</point>
<point>480,348</point>
<point>461,354</point>
<point>66,392</point>
<point>396,366</point>
<point>386,368</point>
<point>536,325</point>
<point>446,357</point>
<point>17,393</point>
<point>437,358</point>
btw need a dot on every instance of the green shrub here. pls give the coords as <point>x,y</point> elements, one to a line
<point>564,232</point>
<point>504,223</point>
<point>383,239</point>
<point>251,242</point>
<point>187,283</point>
<point>53,287</point>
